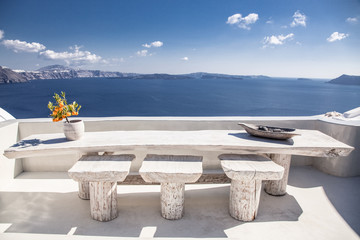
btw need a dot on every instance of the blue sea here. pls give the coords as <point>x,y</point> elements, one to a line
<point>181,97</point>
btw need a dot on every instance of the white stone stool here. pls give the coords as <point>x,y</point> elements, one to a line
<point>172,172</point>
<point>102,173</point>
<point>246,173</point>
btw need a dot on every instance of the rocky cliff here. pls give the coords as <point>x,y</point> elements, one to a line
<point>9,76</point>
<point>63,72</point>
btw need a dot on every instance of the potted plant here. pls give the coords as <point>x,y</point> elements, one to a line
<point>60,110</point>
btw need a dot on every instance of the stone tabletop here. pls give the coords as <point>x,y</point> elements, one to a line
<point>309,143</point>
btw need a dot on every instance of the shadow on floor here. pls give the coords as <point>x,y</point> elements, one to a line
<point>206,214</point>
<point>343,193</point>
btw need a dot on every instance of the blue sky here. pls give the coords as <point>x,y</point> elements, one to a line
<point>280,38</point>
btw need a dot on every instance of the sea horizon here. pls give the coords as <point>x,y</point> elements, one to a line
<point>181,58</point>
<point>105,97</point>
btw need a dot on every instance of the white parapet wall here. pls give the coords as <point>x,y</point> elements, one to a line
<point>4,115</point>
<point>9,168</point>
<point>342,166</point>
<point>346,132</point>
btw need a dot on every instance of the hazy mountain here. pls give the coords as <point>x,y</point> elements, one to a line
<point>63,72</point>
<point>159,76</point>
<point>55,68</point>
<point>205,75</point>
<point>9,76</point>
<point>346,80</point>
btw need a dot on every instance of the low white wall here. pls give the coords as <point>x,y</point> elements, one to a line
<point>9,168</point>
<point>344,166</point>
<point>340,166</point>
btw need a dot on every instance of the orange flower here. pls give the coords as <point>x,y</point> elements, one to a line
<point>61,109</point>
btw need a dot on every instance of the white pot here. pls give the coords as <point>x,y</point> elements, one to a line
<point>74,130</point>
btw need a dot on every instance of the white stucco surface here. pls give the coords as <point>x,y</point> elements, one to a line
<point>46,206</point>
<point>4,115</point>
<point>347,132</point>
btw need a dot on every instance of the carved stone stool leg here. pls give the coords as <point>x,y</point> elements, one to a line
<point>278,187</point>
<point>172,200</point>
<point>244,199</point>
<point>103,204</point>
<point>84,190</point>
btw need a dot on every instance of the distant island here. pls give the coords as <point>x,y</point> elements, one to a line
<point>304,79</point>
<point>346,80</point>
<point>62,72</point>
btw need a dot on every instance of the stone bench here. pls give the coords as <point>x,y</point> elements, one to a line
<point>246,173</point>
<point>172,172</point>
<point>101,174</point>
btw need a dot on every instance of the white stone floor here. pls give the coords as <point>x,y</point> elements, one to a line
<point>45,206</point>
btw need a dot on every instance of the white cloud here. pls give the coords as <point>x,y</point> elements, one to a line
<point>142,53</point>
<point>277,40</point>
<point>117,59</point>
<point>299,19</point>
<point>153,44</point>
<point>336,36</point>
<point>22,46</point>
<point>157,44</point>
<point>77,57</point>
<point>352,20</point>
<point>243,22</point>
<point>185,58</point>
<point>1,34</point>
<point>234,19</point>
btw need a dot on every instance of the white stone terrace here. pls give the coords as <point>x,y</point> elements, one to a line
<point>39,201</point>
<point>46,206</point>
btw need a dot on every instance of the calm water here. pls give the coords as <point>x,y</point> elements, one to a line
<point>194,97</point>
